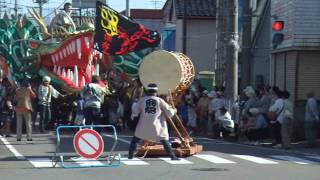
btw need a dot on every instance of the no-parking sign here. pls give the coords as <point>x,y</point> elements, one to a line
<point>88,143</point>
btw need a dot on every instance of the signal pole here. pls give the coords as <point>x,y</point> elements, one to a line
<point>246,45</point>
<point>232,50</point>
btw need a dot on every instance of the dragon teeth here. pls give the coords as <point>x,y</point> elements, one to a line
<point>79,48</point>
<point>86,40</point>
<point>69,49</point>
<point>55,70</point>
<point>59,71</point>
<point>63,72</point>
<point>64,52</point>
<point>52,59</point>
<point>75,76</point>
<point>88,70</point>
<point>68,73</point>
<point>73,47</point>
<point>71,76</point>
<point>83,81</point>
<point>97,69</point>
<point>57,57</point>
<point>61,55</point>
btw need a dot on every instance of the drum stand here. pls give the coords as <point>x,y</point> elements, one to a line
<point>186,148</point>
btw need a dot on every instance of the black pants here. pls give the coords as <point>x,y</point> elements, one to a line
<point>92,116</point>
<point>256,134</point>
<point>135,140</point>
<point>276,132</point>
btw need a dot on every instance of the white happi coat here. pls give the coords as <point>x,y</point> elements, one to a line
<point>152,123</point>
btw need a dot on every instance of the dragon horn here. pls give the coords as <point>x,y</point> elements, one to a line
<point>19,24</point>
<point>6,18</point>
<point>40,22</point>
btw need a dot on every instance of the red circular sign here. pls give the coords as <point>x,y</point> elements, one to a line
<point>88,143</point>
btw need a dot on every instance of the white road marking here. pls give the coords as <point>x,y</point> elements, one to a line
<point>214,159</point>
<point>12,149</point>
<point>41,162</point>
<point>119,139</point>
<point>314,157</point>
<point>294,159</point>
<point>255,159</point>
<point>181,161</point>
<point>86,162</point>
<point>134,161</point>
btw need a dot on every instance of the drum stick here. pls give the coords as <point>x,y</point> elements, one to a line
<point>185,132</point>
<point>170,121</point>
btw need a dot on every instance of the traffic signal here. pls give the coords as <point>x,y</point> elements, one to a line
<point>278,36</point>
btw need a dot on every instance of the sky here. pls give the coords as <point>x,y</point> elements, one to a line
<point>118,5</point>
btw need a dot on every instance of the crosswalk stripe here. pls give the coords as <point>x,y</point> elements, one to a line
<point>134,161</point>
<point>44,162</point>
<point>41,162</point>
<point>214,159</point>
<point>86,162</point>
<point>255,159</point>
<point>12,149</point>
<point>294,159</point>
<point>181,161</point>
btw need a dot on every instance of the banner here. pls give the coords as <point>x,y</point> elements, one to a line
<point>116,34</point>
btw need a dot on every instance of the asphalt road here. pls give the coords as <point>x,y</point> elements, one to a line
<point>219,160</point>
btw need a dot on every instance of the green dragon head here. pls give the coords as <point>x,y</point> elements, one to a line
<point>67,57</point>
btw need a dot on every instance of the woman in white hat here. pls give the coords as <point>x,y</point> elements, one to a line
<point>45,92</point>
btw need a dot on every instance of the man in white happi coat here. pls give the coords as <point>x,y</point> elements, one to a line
<point>63,19</point>
<point>152,123</point>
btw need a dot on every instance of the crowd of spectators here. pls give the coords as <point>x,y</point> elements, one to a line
<point>257,114</point>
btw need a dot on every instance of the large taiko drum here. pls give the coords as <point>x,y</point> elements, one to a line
<point>169,70</point>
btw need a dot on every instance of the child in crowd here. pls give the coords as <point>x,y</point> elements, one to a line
<point>79,119</point>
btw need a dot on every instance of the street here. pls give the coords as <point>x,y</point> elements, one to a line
<point>219,160</point>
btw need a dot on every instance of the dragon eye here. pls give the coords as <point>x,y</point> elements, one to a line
<point>34,44</point>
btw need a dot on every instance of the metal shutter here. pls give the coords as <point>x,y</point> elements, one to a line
<point>308,74</point>
<point>280,70</point>
<point>290,63</point>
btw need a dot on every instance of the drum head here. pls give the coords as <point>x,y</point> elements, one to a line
<point>161,68</point>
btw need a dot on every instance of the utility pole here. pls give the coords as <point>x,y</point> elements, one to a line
<point>232,50</point>
<point>40,2</point>
<point>40,7</point>
<point>221,32</point>
<point>246,45</point>
<point>15,8</point>
<point>218,42</point>
<point>221,41</point>
<point>184,28</point>
<point>127,8</point>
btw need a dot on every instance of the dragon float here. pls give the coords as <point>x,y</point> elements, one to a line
<point>30,50</point>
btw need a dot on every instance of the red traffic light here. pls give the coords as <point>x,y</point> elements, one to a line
<point>278,25</point>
